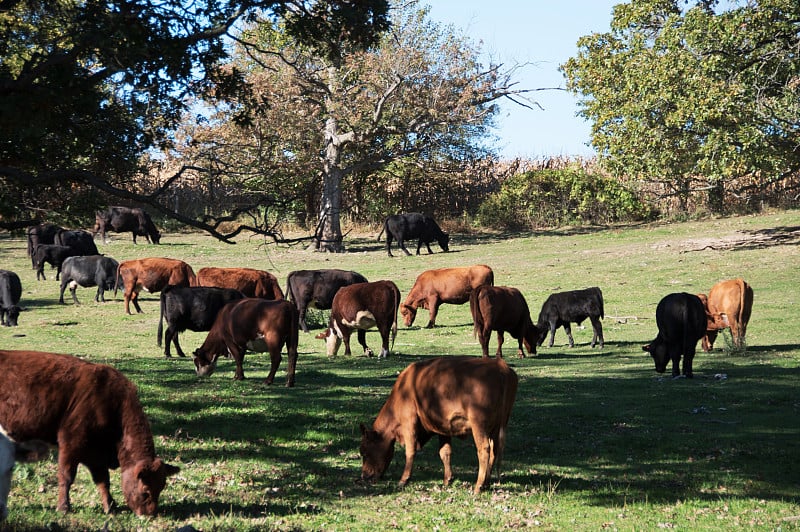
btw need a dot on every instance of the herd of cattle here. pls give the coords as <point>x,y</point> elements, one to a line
<point>49,397</point>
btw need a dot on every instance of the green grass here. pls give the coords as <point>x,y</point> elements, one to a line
<point>597,439</point>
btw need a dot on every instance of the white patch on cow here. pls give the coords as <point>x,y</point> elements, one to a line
<point>384,353</point>
<point>258,344</point>
<point>73,285</point>
<point>333,340</point>
<point>364,320</point>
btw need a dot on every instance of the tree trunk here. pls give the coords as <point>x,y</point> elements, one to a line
<point>329,230</point>
<point>716,197</point>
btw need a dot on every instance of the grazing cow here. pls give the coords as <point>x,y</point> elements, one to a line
<point>41,234</point>
<point>191,307</point>
<point>92,412</point>
<point>250,282</point>
<point>447,396</point>
<point>445,285</point>
<point>410,226</point>
<point>681,321</point>
<point>257,324</point>
<point>562,308</point>
<point>363,306</point>
<point>52,254</point>
<point>124,219</point>
<point>79,240</point>
<point>728,304</point>
<point>10,293</point>
<point>151,274</point>
<point>502,308</point>
<point>316,288</point>
<point>10,453</point>
<point>86,271</point>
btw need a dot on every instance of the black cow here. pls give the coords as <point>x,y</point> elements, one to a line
<point>410,226</point>
<point>41,234</point>
<point>574,306</point>
<point>316,288</point>
<point>124,219</point>
<point>86,271</point>
<point>194,308</point>
<point>79,240</point>
<point>53,255</point>
<point>10,292</point>
<point>681,321</point>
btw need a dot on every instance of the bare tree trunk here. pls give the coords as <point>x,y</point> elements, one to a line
<point>329,231</point>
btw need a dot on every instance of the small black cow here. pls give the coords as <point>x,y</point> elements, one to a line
<point>10,293</point>
<point>562,308</point>
<point>124,219</point>
<point>79,240</point>
<point>681,320</point>
<point>41,234</point>
<point>316,288</point>
<point>52,254</point>
<point>86,271</point>
<point>194,308</point>
<point>410,226</point>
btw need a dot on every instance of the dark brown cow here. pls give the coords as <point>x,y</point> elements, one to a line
<point>252,323</point>
<point>250,282</point>
<point>728,304</point>
<point>502,308</point>
<point>151,274</point>
<point>317,288</point>
<point>41,234</point>
<point>447,396</point>
<point>445,285</point>
<point>92,412</point>
<point>360,307</point>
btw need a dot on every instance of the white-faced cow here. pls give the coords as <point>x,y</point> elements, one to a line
<point>153,275</point>
<point>10,453</point>
<point>79,240</point>
<point>256,324</point>
<point>681,321</point>
<point>93,414</point>
<point>124,219</point>
<point>574,306</point>
<point>249,281</point>
<point>728,304</point>
<point>360,307</point>
<point>10,294</point>
<point>410,226</point>
<point>190,307</point>
<point>317,288</point>
<point>41,234</point>
<point>87,271</point>
<point>503,309</point>
<point>447,397</point>
<point>444,285</point>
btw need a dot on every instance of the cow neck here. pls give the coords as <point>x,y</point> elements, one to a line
<point>137,438</point>
<point>387,423</point>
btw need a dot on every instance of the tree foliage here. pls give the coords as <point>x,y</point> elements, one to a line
<point>694,97</point>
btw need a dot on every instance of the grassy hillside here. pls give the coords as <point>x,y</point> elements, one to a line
<point>597,438</point>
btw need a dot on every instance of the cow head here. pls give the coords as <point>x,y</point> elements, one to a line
<point>332,341</point>
<point>376,453</point>
<point>658,350</point>
<point>409,313</point>
<point>532,338</point>
<point>203,364</point>
<point>444,241</point>
<point>143,483</point>
<point>12,314</point>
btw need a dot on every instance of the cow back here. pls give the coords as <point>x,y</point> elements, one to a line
<point>249,281</point>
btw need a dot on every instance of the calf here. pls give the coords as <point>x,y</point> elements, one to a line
<point>728,304</point>
<point>256,324</point>
<point>82,242</point>
<point>151,274</point>
<point>191,307</point>
<point>124,219</point>
<point>41,234</point>
<point>445,285</point>
<point>92,412</point>
<point>410,226</point>
<point>10,294</point>
<point>562,308</point>
<point>360,307</point>
<point>250,282</point>
<point>681,321</point>
<point>316,289</point>
<point>502,308</point>
<point>52,254</point>
<point>10,453</point>
<point>86,271</point>
<point>447,396</point>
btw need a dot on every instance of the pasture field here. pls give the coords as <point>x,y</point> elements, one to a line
<point>597,440</point>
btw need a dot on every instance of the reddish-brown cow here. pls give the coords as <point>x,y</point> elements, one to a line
<point>250,282</point>
<point>728,304</point>
<point>152,275</point>
<point>502,308</point>
<point>257,324</point>
<point>92,412</point>
<point>445,285</point>
<point>447,396</point>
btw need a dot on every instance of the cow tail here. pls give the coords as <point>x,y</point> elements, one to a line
<point>382,230</point>
<point>161,317</point>
<point>289,293</point>
<point>473,308</point>
<point>602,311</point>
<point>396,307</point>
<point>116,281</point>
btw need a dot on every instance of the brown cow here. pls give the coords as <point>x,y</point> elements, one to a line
<point>152,275</point>
<point>728,304</point>
<point>257,324</point>
<point>447,396</point>
<point>502,308</point>
<point>250,282</point>
<point>445,285</point>
<point>362,306</point>
<point>92,412</point>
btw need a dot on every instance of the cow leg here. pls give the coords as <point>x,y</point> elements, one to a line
<point>433,310</point>
<point>688,358</point>
<point>58,272</point>
<point>484,447</point>
<point>100,294</point>
<point>445,452</point>
<point>73,292</point>
<point>40,271</point>
<point>302,318</point>
<point>520,352</point>
<point>484,337</point>
<point>238,356</point>
<point>67,469</point>
<point>102,480</point>
<point>552,333</point>
<point>385,331</point>
<point>291,367</point>
<point>346,332</point>
<point>402,245</point>
<point>275,361</point>
<point>132,297</point>
<point>411,444</point>
<point>568,330</point>
<point>362,340</point>
<point>500,340</point>
<point>597,328</point>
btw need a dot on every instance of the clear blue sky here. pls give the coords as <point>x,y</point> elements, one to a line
<point>542,33</point>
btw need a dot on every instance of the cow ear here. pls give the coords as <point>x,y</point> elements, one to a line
<point>31,451</point>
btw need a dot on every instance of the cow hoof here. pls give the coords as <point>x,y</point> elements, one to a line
<point>369,353</point>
